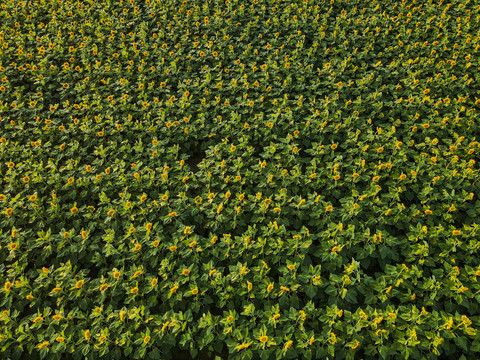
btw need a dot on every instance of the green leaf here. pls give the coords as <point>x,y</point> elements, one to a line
<point>331,290</point>
<point>155,354</point>
<point>351,297</point>
<point>311,291</point>
<point>461,342</point>
<point>383,352</point>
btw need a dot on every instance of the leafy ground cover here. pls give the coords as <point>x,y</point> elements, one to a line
<point>256,179</point>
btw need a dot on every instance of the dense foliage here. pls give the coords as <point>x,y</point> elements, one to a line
<point>256,179</point>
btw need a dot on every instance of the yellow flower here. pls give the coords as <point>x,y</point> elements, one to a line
<point>336,249</point>
<point>173,248</point>
<point>134,290</point>
<point>284,288</point>
<point>7,286</point>
<point>242,346</point>
<point>154,282</point>
<point>137,247</point>
<point>291,267</point>
<point>195,291</point>
<point>43,345</point>
<point>332,339</point>
<point>456,232</point>
<point>26,179</point>
<point>355,344</point>
<point>466,321</point>
<point>165,325</point>
<point>448,324</point>
<point>185,272</point>
<point>2,197</point>
<point>79,284</point>
<point>38,319</point>
<point>13,246</point>
<point>110,212</point>
<point>146,339</point>
<point>263,339</point>
<point>73,210</point>
<point>60,339</point>
<point>329,208</point>
<point>173,289</point>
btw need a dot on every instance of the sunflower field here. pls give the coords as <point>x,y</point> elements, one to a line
<point>239,179</point>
